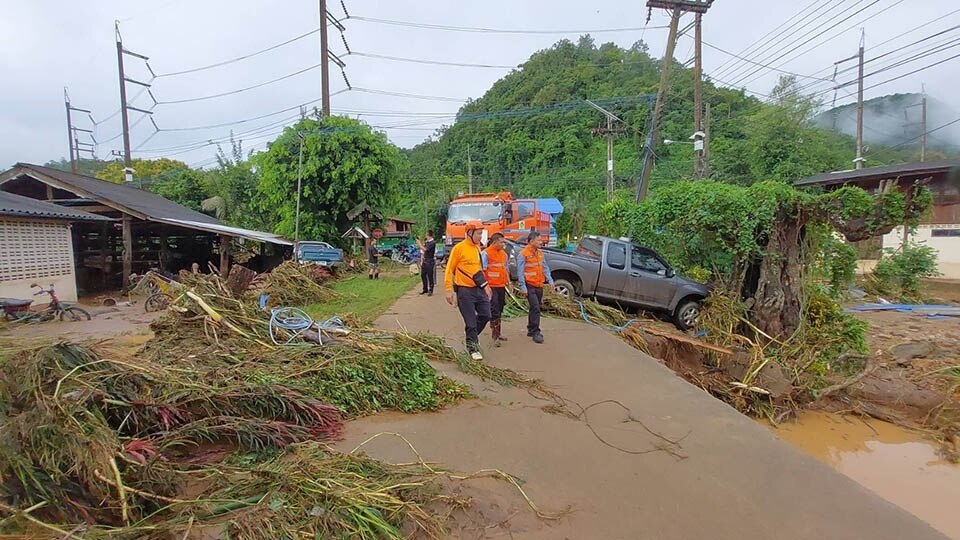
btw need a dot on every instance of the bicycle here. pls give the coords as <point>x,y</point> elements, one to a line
<point>161,290</point>
<point>19,310</point>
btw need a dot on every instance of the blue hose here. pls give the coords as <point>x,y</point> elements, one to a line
<point>296,321</point>
<point>614,329</point>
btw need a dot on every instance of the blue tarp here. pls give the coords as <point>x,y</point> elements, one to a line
<point>930,310</point>
<point>551,206</point>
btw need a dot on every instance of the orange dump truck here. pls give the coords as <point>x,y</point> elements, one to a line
<point>494,212</point>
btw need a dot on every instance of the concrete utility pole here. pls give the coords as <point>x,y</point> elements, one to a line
<point>923,127</point>
<point>699,166</point>
<point>678,7</point>
<point>324,59</point>
<point>76,145</point>
<point>706,141</point>
<point>125,106</point>
<point>469,171</point>
<point>859,159</point>
<point>609,131</point>
<point>73,157</point>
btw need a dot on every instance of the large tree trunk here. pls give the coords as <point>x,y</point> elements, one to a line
<point>776,299</point>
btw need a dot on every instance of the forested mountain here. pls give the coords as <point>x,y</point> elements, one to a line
<point>532,132</point>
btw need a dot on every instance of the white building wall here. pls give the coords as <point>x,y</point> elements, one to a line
<point>36,251</point>
<point>943,238</point>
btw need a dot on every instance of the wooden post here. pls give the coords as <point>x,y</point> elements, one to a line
<point>164,248</point>
<point>104,242</point>
<point>224,255</point>
<point>127,249</point>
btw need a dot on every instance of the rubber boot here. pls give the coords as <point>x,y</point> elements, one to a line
<point>495,331</point>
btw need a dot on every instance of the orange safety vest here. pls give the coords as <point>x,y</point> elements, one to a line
<point>497,273</point>
<point>533,266</point>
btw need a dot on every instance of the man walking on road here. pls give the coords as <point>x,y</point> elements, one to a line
<point>532,273</point>
<point>498,276</point>
<point>428,263</point>
<point>464,277</point>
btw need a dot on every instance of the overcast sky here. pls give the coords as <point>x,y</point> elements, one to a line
<point>46,45</point>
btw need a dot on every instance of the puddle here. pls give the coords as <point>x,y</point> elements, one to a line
<point>894,463</point>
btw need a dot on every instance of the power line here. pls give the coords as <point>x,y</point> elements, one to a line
<point>431,62</point>
<point>824,31</point>
<point>777,38</point>
<point>908,141</point>
<point>239,58</point>
<point>762,65</point>
<point>428,26</point>
<point>402,94</point>
<point>245,120</point>
<point>224,94</point>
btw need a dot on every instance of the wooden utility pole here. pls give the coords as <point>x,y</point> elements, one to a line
<point>699,167</point>
<point>706,140</point>
<point>73,156</point>
<point>324,60</point>
<point>859,159</point>
<point>677,7</point>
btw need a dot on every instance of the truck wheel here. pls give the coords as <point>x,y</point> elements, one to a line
<point>564,288</point>
<point>687,314</point>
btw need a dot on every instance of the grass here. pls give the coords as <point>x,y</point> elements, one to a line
<point>362,298</point>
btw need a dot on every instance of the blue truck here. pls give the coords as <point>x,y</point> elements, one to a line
<point>319,253</point>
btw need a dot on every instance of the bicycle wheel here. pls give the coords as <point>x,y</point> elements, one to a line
<point>157,302</point>
<point>74,314</point>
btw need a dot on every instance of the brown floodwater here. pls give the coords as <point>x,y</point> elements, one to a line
<point>897,464</point>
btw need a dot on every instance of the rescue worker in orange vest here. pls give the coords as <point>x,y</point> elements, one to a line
<point>464,278</point>
<point>498,276</point>
<point>532,274</point>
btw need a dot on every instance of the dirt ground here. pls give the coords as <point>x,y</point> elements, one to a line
<point>728,477</point>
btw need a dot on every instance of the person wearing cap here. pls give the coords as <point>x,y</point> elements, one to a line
<point>532,274</point>
<point>464,278</point>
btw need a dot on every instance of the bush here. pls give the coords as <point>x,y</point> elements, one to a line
<point>837,263</point>
<point>898,272</point>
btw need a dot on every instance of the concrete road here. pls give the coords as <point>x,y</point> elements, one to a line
<point>735,479</point>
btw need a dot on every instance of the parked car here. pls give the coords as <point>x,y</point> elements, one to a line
<point>320,253</point>
<point>617,271</point>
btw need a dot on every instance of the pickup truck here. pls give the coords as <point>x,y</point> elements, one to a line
<point>320,253</point>
<point>617,271</point>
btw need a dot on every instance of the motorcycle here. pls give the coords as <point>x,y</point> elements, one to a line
<point>16,309</point>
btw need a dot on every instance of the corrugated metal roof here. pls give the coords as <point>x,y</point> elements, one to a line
<point>236,232</point>
<point>19,206</point>
<point>919,169</point>
<point>138,202</point>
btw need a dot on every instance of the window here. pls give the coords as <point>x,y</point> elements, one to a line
<point>590,247</point>
<point>478,211</point>
<point>945,233</point>
<point>34,250</point>
<point>526,210</point>
<point>617,256</point>
<point>644,259</point>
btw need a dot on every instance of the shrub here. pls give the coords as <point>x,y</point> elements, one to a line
<point>898,272</point>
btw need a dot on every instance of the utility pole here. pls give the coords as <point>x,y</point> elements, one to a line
<point>923,127</point>
<point>698,165</point>
<point>609,131</point>
<point>73,156</point>
<point>678,7</point>
<point>469,171</point>
<point>76,145</point>
<point>706,141</point>
<point>859,159</point>
<point>125,106</point>
<point>324,57</point>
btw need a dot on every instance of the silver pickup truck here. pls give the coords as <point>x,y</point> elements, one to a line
<point>617,271</point>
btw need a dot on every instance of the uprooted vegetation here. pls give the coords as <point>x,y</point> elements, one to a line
<point>103,443</point>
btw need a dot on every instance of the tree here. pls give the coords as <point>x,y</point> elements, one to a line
<point>759,238</point>
<point>144,169</point>
<point>344,163</point>
<point>183,186</point>
<point>234,193</point>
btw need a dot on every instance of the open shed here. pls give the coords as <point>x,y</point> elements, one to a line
<point>148,232</point>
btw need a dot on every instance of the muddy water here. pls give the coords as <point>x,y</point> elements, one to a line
<point>894,463</point>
